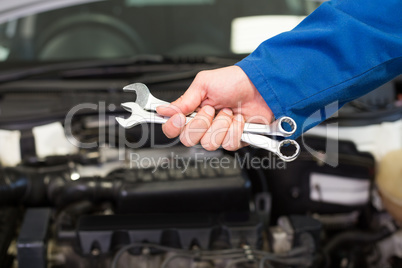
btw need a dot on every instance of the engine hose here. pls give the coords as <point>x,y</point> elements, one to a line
<point>62,192</point>
<point>353,237</point>
<point>13,186</point>
<point>26,185</point>
<point>32,188</point>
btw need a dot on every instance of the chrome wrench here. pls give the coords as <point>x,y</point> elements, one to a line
<point>140,116</point>
<point>277,128</point>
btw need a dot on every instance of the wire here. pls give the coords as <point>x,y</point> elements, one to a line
<point>290,253</point>
<point>284,257</point>
<point>269,265</point>
<point>168,260</point>
<point>226,253</point>
<point>236,254</point>
<point>302,261</point>
<point>223,256</point>
<point>134,245</point>
<point>234,262</point>
<point>353,237</point>
<point>222,251</point>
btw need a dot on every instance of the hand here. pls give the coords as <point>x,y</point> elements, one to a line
<point>228,90</point>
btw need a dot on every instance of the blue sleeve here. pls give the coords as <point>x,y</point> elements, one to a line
<point>341,51</point>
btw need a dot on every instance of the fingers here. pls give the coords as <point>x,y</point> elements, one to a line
<point>174,126</point>
<point>188,102</point>
<point>225,130</point>
<point>232,140</point>
<point>198,126</point>
<point>215,135</point>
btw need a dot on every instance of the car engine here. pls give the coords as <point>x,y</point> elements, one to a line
<point>172,206</point>
<point>77,190</point>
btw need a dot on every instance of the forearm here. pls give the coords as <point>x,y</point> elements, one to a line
<point>341,51</point>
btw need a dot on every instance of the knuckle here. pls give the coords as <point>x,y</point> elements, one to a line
<point>201,75</point>
<point>199,123</point>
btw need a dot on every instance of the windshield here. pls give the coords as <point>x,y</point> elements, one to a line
<point>126,28</point>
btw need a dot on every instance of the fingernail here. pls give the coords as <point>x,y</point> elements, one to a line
<point>227,111</point>
<point>239,118</point>
<point>209,110</point>
<point>178,120</point>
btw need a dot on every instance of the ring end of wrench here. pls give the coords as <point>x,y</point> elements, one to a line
<point>287,121</point>
<point>288,158</point>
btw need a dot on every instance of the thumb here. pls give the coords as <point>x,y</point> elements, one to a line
<point>186,104</point>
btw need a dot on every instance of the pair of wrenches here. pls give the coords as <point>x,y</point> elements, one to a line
<point>143,111</point>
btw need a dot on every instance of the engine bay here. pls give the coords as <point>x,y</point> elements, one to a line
<point>186,207</point>
<point>78,190</point>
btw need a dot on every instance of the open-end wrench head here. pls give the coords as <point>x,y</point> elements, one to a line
<point>132,121</point>
<point>135,109</point>
<point>138,115</point>
<point>128,106</point>
<point>122,122</point>
<point>142,92</point>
